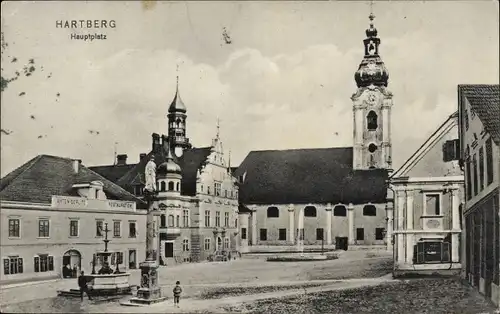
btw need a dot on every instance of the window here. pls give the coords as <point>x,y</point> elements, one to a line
<point>372,148</point>
<point>273,212</point>
<point>481,169</point>
<point>177,220</point>
<point>43,228</point>
<point>360,234</point>
<point>225,193</point>
<point>489,161</point>
<point>217,189</point>
<point>14,228</point>
<point>468,177</point>
<point>207,244</point>
<point>208,190</point>
<point>310,211</point>
<point>138,189</point>
<point>226,243</point>
<point>185,218</point>
<point>243,233</point>
<point>319,234</point>
<point>171,220</point>
<point>236,222</point>
<point>432,204</point>
<point>43,263</point>
<point>132,232</point>
<point>116,258</point>
<point>163,221</point>
<point>170,186</point>
<point>282,234</point>
<point>263,234</point>
<point>226,219</point>
<point>236,194</point>
<point>117,232</point>
<point>98,228</point>
<point>340,210</point>
<point>369,210</point>
<point>466,118</point>
<point>207,218</point>
<point>474,173</point>
<point>451,150</point>
<point>379,233</point>
<point>73,228</point>
<point>163,186</point>
<point>371,121</point>
<point>217,219</point>
<point>12,265</point>
<point>185,245</point>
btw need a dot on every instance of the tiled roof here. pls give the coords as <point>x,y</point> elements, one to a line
<point>302,176</point>
<point>190,162</point>
<point>485,101</point>
<point>44,176</point>
<point>113,172</point>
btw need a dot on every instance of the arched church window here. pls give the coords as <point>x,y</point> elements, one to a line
<point>177,122</point>
<point>163,186</point>
<point>372,120</point>
<point>273,212</point>
<point>171,186</point>
<point>369,210</point>
<point>310,211</point>
<point>340,210</point>
<point>178,186</point>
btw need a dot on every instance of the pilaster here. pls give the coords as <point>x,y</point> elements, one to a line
<point>350,218</point>
<point>291,224</point>
<point>328,210</point>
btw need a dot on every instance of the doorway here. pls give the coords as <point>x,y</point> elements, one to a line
<point>169,249</point>
<point>71,264</point>
<point>219,243</point>
<point>132,259</point>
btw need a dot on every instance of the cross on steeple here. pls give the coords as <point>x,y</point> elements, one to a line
<point>371,16</point>
<point>218,127</point>
<point>177,71</point>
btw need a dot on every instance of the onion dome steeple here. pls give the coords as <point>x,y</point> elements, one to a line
<point>372,70</point>
<point>177,104</point>
<point>169,166</point>
<point>177,124</point>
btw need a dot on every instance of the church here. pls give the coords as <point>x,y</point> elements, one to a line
<point>275,197</point>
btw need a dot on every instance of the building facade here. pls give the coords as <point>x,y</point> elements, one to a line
<point>428,194</point>
<point>54,213</point>
<point>479,109</point>
<point>320,196</point>
<point>197,194</point>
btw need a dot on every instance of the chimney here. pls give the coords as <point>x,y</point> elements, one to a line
<point>156,141</point>
<point>76,165</point>
<point>121,159</point>
<point>141,156</point>
<point>164,142</point>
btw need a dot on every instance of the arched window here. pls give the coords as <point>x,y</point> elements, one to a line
<point>177,221</point>
<point>163,220</point>
<point>170,185</point>
<point>340,210</point>
<point>273,212</point>
<point>163,186</point>
<point>178,186</point>
<point>171,220</point>
<point>369,210</point>
<point>310,211</point>
<point>371,120</point>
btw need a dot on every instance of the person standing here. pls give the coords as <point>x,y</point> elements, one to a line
<point>82,283</point>
<point>177,293</point>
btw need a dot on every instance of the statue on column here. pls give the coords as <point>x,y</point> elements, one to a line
<point>150,174</point>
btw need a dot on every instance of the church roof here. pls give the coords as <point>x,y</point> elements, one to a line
<point>301,176</point>
<point>485,101</point>
<point>42,177</point>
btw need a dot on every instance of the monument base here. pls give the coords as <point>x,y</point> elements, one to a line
<point>149,292</point>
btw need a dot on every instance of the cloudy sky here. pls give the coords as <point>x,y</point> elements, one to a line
<point>285,81</point>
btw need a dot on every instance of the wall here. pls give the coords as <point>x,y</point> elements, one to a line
<point>59,241</point>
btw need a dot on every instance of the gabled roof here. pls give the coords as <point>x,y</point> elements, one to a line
<point>440,132</point>
<point>113,172</point>
<point>485,101</point>
<point>191,160</point>
<point>44,176</point>
<point>301,176</point>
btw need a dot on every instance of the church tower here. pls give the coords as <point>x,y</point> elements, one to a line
<point>177,124</point>
<point>372,104</point>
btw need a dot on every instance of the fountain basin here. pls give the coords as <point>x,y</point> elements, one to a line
<point>301,258</point>
<point>104,285</point>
